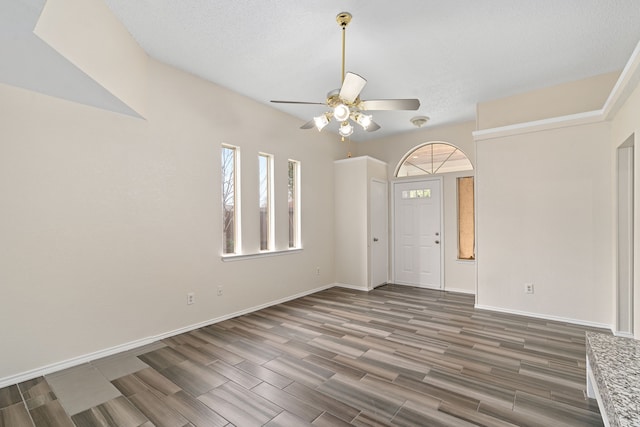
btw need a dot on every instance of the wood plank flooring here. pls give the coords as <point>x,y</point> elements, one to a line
<point>394,356</point>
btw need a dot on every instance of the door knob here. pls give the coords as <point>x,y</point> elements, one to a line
<point>437,242</point>
<point>437,233</point>
<point>375,239</point>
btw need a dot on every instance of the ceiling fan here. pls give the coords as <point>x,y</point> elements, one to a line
<point>345,105</point>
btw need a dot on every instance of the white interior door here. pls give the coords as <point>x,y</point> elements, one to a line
<point>379,240</point>
<point>418,233</point>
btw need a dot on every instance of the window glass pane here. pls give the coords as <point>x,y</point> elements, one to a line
<point>416,194</point>
<point>294,204</point>
<point>466,221</point>
<point>264,174</point>
<point>229,211</point>
<point>434,158</point>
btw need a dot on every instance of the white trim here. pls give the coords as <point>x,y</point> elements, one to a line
<point>419,146</point>
<point>624,86</point>
<point>75,361</point>
<point>237,217</point>
<point>297,183</point>
<point>411,285</point>
<point>539,125</point>
<point>370,232</point>
<point>545,317</point>
<point>239,257</point>
<point>458,290</point>
<point>624,335</point>
<point>271,211</point>
<point>623,250</point>
<point>354,287</point>
<point>352,159</point>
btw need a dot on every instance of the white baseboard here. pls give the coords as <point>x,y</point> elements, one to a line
<point>460,291</point>
<point>545,317</point>
<point>360,288</point>
<point>86,358</point>
<point>624,335</point>
<point>354,287</point>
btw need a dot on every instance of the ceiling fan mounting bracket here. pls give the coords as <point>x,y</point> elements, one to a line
<point>343,19</point>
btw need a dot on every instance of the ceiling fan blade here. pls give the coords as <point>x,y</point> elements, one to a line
<point>351,87</point>
<point>390,104</point>
<point>309,125</point>
<point>298,102</point>
<point>373,126</point>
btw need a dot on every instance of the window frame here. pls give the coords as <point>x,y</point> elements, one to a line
<point>437,166</point>
<point>293,209</point>
<point>469,205</point>
<point>266,243</point>
<point>236,233</point>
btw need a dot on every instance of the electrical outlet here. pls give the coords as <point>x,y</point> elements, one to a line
<point>191,298</point>
<point>317,271</point>
<point>528,288</point>
<point>220,290</point>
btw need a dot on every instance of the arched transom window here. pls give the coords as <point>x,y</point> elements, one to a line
<point>440,158</point>
<point>432,158</point>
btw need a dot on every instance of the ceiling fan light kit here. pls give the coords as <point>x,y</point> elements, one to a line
<point>345,129</point>
<point>321,121</point>
<point>345,103</point>
<point>363,120</point>
<point>341,112</point>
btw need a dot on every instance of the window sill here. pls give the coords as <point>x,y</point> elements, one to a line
<point>240,257</point>
<point>466,261</point>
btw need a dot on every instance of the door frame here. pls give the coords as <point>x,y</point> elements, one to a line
<point>370,235</point>
<point>625,239</point>
<point>392,239</point>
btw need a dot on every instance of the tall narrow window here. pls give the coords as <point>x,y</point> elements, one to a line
<point>466,221</point>
<point>266,215</point>
<point>294,204</point>
<point>229,169</point>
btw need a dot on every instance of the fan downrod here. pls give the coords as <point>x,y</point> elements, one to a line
<point>343,20</point>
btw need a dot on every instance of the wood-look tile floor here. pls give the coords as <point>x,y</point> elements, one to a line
<point>394,356</point>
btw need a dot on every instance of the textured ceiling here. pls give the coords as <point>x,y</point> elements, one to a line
<point>450,54</point>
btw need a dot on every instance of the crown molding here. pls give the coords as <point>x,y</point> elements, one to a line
<point>625,85</point>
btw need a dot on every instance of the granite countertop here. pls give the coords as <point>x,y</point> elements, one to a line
<point>615,362</point>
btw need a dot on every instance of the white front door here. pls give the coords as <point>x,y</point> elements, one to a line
<point>379,241</point>
<point>418,232</point>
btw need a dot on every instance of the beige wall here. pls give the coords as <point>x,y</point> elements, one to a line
<point>544,217</point>
<point>569,98</point>
<point>552,184</point>
<point>109,220</point>
<point>625,124</point>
